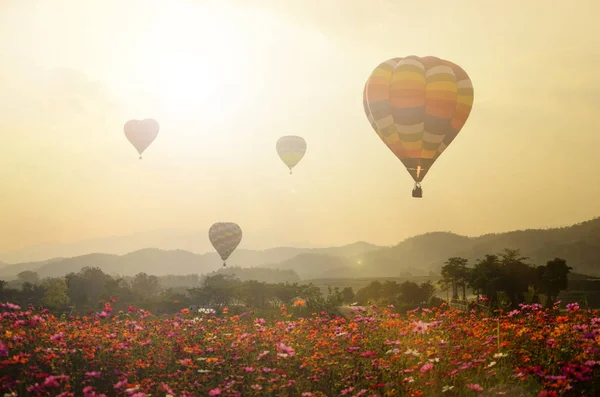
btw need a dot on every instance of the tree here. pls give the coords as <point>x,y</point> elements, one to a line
<point>31,294</point>
<point>555,279</point>
<point>486,279</point>
<point>55,293</point>
<point>145,286</point>
<point>517,276</point>
<point>29,276</point>
<point>456,273</point>
<point>369,294</point>
<point>86,287</point>
<point>411,293</point>
<point>428,290</point>
<point>537,282</point>
<point>348,295</point>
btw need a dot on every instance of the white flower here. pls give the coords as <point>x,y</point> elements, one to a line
<point>410,379</point>
<point>434,360</point>
<point>204,371</point>
<point>447,388</point>
<point>412,352</point>
<point>394,351</point>
<point>500,355</point>
<point>490,365</point>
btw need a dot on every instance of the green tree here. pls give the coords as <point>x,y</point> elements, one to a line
<point>146,287</point>
<point>55,293</point>
<point>456,274</point>
<point>428,291</point>
<point>347,295</point>
<point>29,276</point>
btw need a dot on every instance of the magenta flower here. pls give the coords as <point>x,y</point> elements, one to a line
<point>50,381</point>
<point>215,392</point>
<point>3,349</point>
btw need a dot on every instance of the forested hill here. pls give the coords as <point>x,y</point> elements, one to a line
<point>579,244</point>
<point>416,256</point>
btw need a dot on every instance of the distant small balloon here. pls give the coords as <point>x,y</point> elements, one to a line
<point>225,237</point>
<point>141,133</point>
<point>291,150</point>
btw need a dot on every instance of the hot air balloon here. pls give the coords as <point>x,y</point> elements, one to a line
<point>417,106</point>
<point>141,133</point>
<point>225,237</point>
<point>291,149</point>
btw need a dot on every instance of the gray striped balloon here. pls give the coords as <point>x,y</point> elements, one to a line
<point>225,237</point>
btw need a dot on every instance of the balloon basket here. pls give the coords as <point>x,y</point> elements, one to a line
<point>417,192</point>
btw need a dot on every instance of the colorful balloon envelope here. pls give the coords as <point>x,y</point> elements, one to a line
<point>291,149</point>
<point>141,133</point>
<point>417,106</point>
<point>225,237</point>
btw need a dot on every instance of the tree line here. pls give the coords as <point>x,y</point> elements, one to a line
<point>90,287</point>
<point>505,279</point>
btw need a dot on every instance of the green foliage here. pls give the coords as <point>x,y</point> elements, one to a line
<point>505,279</point>
<point>55,293</point>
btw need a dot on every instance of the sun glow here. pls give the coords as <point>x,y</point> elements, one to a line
<point>197,60</point>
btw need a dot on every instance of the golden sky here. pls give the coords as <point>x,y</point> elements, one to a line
<point>225,79</point>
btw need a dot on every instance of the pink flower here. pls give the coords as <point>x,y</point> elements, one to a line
<point>427,367</point>
<point>167,388</point>
<point>215,392</point>
<point>50,381</point>
<point>419,327</point>
<point>474,386</point>
<point>285,350</point>
<point>248,369</point>
<point>256,387</point>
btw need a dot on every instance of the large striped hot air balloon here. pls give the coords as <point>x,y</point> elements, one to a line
<point>291,149</point>
<point>417,106</point>
<point>225,237</point>
<point>141,133</point>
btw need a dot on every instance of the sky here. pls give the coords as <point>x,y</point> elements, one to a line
<point>225,79</point>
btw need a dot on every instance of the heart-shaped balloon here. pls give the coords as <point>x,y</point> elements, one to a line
<point>141,133</point>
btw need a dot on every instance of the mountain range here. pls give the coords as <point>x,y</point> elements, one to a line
<point>162,262</point>
<point>579,244</point>
<point>167,239</point>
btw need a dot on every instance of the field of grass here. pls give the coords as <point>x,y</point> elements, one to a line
<point>372,352</point>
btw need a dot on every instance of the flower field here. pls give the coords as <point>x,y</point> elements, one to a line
<point>372,352</point>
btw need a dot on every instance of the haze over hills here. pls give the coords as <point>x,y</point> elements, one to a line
<point>167,239</point>
<point>579,244</point>
<point>162,262</point>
